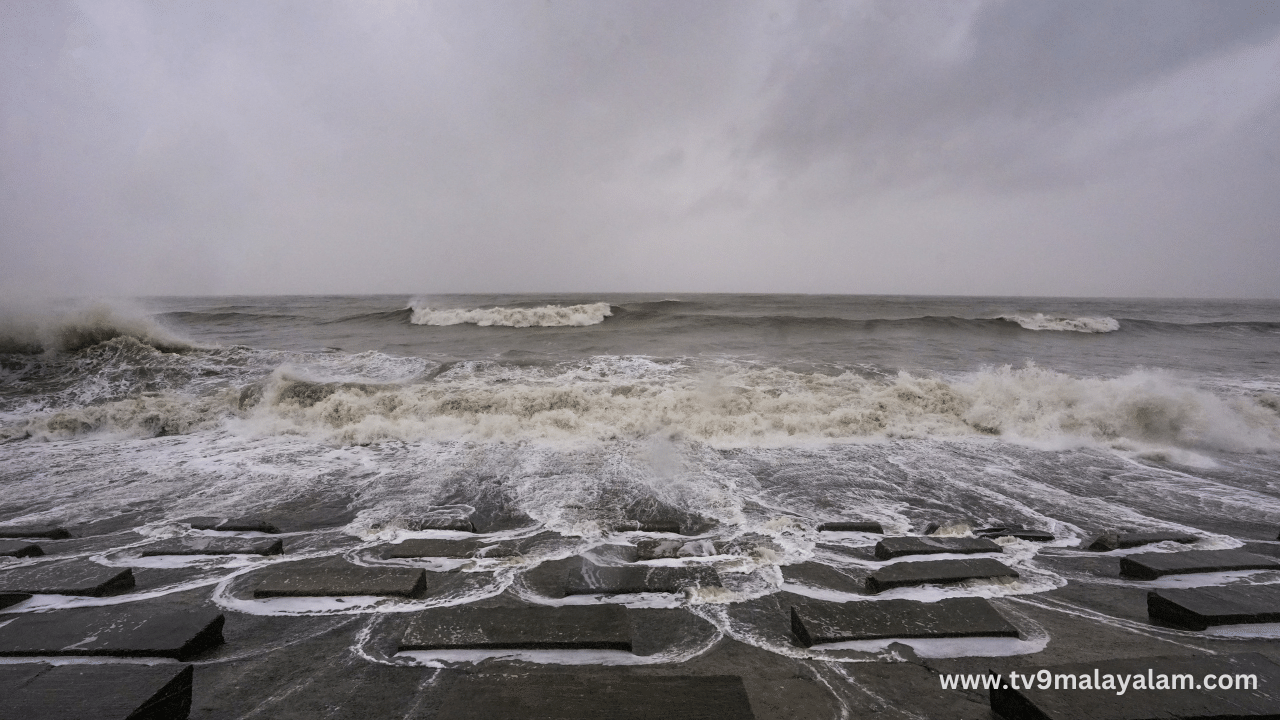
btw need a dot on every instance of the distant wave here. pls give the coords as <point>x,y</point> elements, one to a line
<point>1040,321</point>
<point>36,330</point>
<point>545,316</point>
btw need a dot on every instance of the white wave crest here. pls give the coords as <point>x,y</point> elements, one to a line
<point>731,406</point>
<point>545,316</point>
<point>1040,321</point>
<point>740,406</point>
<point>25,328</point>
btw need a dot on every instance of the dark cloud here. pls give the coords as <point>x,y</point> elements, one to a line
<point>395,146</point>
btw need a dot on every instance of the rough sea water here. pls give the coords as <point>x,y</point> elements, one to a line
<point>745,418</point>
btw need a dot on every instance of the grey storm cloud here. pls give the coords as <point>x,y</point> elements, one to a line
<point>987,147</point>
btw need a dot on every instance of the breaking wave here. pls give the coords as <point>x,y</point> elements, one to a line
<point>1040,321</point>
<point>33,331</point>
<point>621,398</point>
<point>545,316</point>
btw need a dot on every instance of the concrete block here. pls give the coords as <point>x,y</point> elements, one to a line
<point>438,548</point>
<point>658,549</point>
<point>600,627</point>
<point>652,526</point>
<point>1014,531</point>
<point>825,622</point>
<point>592,579</point>
<point>937,572</point>
<point>1115,541</point>
<point>353,580</point>
<point>72,577</point>
<point>19,548</point>
<point>215,546</point>
<point>1142,703</point>
<point>455,524</point>
<point>587,697</point>
<point>242,524</point>
<point>101,692</point>
<point>1149,566</point>
<point>894,547</point>
<point>857,526</point>
<point>1200,608</point>
<point>7,599</point>
<point>46,532</point>
<point>130,630</point>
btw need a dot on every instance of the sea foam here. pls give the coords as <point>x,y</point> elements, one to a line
<point>729,405</point>
<point>545,316</point>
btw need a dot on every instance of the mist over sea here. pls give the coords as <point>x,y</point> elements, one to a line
<point>732,412</point>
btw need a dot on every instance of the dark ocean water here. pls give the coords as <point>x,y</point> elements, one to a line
<point>736,413</point>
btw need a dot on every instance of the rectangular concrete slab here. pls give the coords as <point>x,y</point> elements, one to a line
<point>46,532</point>
<point>937,572</point>
<point>102,692</point>
<point>1147,704</point>
<point>592,579</point>
<point>73,577</point>
<point>215,546</point>
<point>653,526</point>
<point>827,622</point>
<point>1149,566</point>
<point>1014,531</point>
<point>130,630</point>
<point>444,523</point>
<point>439,548</point>
<point>593,697</point>
<point>576,627</point>
<point>1116,541</point>
<point>19,548</point>
<point>858,526</point>
<point>342,581</point>
<point>1200,608</point>
<point>658,549</point>
<point>893,547</point>
<point>241,524</point>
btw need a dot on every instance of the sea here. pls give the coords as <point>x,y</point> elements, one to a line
<point>736,415</point>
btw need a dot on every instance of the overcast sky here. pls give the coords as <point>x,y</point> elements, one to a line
<point>994,148</point>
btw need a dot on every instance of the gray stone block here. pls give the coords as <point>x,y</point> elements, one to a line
<point>1014,531</point>
<point>937,572</point>
<point>591,579</point>
<point>243,524</point>
<point>823,622</point>
<point>601,627</point>
<point>1140,704</point>
<point>131,630</point>
<point>33,531</point>
<point>1116,541</point>
<point>19,548</point>
<point>658,549</point>
<point>859,526</point>
<point>1149,566</point>
<point>341,581</point>
<point>591,697</point>
<point>102,692</point>
<point>894,547</point>
<point>215,546</point>
<point>73,577</point>
<point>652,526</point>
<point>437,548</point>
<point>1199,608</point>
<point>444,523</point>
